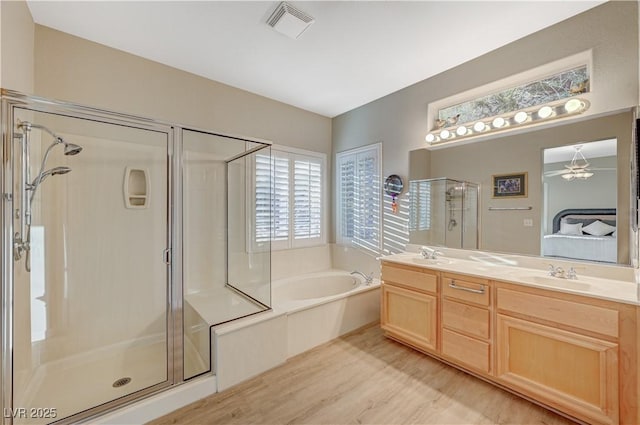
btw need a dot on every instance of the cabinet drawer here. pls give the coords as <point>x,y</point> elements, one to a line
<point>466,350</point>
<point>414,278</point>
<point>466,289</point>
<point>582,316</point>
<point>466,318</point>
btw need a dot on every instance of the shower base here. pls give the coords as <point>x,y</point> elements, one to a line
<point>79,382</point>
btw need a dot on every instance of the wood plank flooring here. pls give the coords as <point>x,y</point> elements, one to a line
<point>363,378</point>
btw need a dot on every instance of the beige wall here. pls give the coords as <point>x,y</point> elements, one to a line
<point>399,120</point>
<point>16,46</point>
<point>73,69</point>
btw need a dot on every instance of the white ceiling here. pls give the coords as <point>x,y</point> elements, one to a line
<point>354,53</point>
<point>602,148</point>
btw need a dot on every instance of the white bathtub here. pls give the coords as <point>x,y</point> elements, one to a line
<point>314,286</point>
<point>307,310</point>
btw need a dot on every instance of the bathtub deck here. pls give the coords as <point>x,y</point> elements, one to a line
<point>366,378</point>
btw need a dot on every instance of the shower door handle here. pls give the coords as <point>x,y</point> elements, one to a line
<point>166,256</point>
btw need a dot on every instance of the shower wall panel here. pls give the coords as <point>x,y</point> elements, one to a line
<point>99,252</point>
<point>204,220</point>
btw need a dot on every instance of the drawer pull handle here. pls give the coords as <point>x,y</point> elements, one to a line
<point>453,285</point>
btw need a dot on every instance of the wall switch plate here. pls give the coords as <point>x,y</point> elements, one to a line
<point>528,222</point>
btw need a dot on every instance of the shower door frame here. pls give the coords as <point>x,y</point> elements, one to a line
<point>11,100</point>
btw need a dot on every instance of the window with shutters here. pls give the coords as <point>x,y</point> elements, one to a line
<point>420,212</point>
<point>290,198</point>
<point>359,198</point>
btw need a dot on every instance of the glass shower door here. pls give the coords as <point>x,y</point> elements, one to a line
<point>90,275</point>
<point>226,272</point>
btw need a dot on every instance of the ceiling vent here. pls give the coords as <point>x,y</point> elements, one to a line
<point>289,21</point>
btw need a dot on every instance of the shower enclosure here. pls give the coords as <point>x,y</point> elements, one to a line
<point>124,240</point>
<point>444,212</point>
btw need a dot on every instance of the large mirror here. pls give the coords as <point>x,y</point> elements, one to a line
<point>579,207</point>
<point>518,224</point>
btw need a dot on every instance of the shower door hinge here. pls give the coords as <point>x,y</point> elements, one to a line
<point>166,255</point>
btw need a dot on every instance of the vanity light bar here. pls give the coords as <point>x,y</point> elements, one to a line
<point>515,119</point>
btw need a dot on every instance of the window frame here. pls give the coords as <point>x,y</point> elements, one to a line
<point>291,154</point>
<point>584,58</point>
<point>340,156</point>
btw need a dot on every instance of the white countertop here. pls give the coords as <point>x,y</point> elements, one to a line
<point>595,287</point>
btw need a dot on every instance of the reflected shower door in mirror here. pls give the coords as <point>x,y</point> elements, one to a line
<point>515,225</point>
<point>444,212</point>
<point>89,279</point>
<point>579,205</point>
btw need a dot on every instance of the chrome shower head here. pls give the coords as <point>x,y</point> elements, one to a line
<point>57,170</point>
<point>43,175</point>
<point>71,148</point>
<point>51,172</point>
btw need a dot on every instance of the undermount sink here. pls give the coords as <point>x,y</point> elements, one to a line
<point>555,282</point>
<point>431,261</point>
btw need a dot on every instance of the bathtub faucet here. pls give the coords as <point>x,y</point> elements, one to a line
<point>367,279</point>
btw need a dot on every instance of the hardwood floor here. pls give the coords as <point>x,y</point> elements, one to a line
<point>363,378</point>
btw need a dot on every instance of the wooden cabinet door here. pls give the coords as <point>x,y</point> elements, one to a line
<point>575,373</point>
<point>409,316</point>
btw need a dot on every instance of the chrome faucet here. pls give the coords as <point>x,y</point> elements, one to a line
<point>429,253</point>
<point>556,271</point>
<point>561,273</point>
<point>367,279</point>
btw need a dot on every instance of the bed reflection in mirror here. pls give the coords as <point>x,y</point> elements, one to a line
<point>579,202</point>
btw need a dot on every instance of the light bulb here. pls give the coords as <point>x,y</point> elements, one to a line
<point>445,134</point>
<point>583,175</point>
<point>573,105</point>
<point>430,138</point>
<point>498,122</point>
<point>461,131</point>
<point>520,117</point>
<point>479,126</point>
<point>545,112</point>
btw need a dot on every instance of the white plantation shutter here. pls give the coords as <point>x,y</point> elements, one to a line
<point>347,187</point>
<point>307,205</point>
<point>262,200</point>
<point>272,198</point>
<point>289,199</point>
<point>360,203</point>
<point>281,189</point>
<point>420,214</point>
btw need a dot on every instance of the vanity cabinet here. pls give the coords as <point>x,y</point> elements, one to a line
<point>564,352</point>
<point>409,308</point>
<point>576,354</point>
<point>466,321</point>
